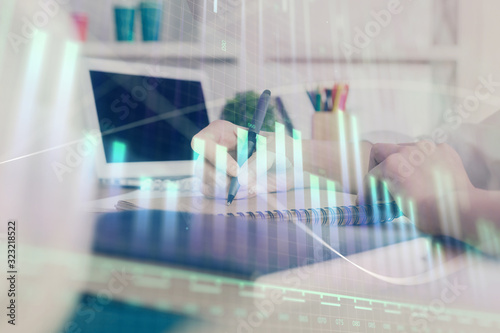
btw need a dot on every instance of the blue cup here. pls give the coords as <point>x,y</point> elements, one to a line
<point>124,20</point>
<point>151,16</point>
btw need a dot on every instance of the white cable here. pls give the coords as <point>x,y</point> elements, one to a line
<point>426,277</point>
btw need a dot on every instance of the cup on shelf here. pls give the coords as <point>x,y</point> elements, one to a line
<point>124,20</point>
<point>81,21</point>
<point>151,17</point>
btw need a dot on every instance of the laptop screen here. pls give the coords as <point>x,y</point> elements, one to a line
<point>147,119</point>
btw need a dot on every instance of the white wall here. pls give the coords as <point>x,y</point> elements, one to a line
<point>178,21</point>
<point>298,42</point>
<point>479,27</point>
<point>292,42</point>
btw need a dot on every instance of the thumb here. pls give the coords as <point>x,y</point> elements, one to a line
<point>256,166</point>
<point>377,186</point>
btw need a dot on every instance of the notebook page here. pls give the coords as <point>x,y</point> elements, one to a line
<point>294,199</point>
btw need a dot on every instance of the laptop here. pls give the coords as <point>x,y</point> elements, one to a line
<point>145,116</point>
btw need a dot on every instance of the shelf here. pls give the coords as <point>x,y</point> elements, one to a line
<point>435,54</point>
<point>159,50</point>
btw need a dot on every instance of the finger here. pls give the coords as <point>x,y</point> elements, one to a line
<point>218,190</point>
<point>199,167</point>
<point>210,175</point>
<point>213,192</point>
<point>245,192</point>
<point>380,151</point>
<point>278,182</point>
<point>207,190</point>
<point>220,132</point>
<point>205,171</point>
<point>213,183</point>
<point>381,182</point>
<point>260,161</point>
<point>368,195</point>
<point>214,141</point>
<point>258,165</point>
<point>373,189</point>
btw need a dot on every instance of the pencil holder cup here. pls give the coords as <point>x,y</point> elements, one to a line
<point>332,126</point>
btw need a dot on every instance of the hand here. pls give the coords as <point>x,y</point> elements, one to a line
<point>430,180</point>
<point>215,178</point>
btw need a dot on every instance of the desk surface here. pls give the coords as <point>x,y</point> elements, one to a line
<point>327,296</point>
<point>332,295</point>
<point>105,191</point>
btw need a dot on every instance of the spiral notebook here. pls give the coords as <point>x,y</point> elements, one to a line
<point>305,205</point>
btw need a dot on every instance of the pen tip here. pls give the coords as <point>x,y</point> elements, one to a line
<point>230,199</point>
<point>267,91</point>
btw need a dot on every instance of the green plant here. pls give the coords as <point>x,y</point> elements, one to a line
<point>241,108</point>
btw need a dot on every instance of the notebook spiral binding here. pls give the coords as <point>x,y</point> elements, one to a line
<point>341,215</point>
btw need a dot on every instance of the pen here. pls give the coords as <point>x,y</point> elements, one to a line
<point>285,116</point>
<point>340,90</point>
<point>310,94</point>
<point>334,95</point>
<point>253,129</point>
<point>318,100</point>
<point>343,97</point>
<point>328,100</point>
